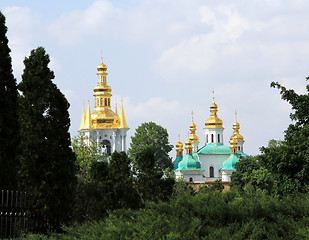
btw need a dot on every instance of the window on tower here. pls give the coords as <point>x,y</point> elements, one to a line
<point>109,102</point>
<point>212,138</point>
<point>105,102</point>
<point>218,137</point>
<point>206,138</point>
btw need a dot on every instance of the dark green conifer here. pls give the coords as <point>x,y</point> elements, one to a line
<point>8,114</point>
<point>48,168</point>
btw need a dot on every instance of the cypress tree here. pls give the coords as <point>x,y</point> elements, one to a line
<point>8,114</point>
<point>47,168</point>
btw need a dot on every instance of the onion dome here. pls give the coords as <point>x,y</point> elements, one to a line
<point>230,162</point>
<point>188,162</point>
<point>233,145</point>
<point>236,128</point>
<point>179,148</point>
<point>193,137</point>
<point>213,121</point>
<point>101,67</point>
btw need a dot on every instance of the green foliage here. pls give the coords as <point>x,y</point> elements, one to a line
<point>151,134</point>
<point>86,154</point>
<point>151,182</point>
<point>204,215</point>
<point>250,176</point>
<point>288,160</point>
<point>47,170</point>
<point>9,126</point>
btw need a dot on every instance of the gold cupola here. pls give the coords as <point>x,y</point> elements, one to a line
<point>213,121</point>
<point>179,147</point>
<point>188,146</point>
<point>103,117</point>
<point>236,128</point>
<point>192,136</point>
<point>233,145</point>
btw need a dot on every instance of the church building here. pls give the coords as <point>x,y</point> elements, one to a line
<point>103,125</point>
<point>214,160</point>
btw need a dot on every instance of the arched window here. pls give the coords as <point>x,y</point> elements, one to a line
<point>212,138</point>
<point>190,179</point>
<point>101,102</point>
<point>218,137</point>
<point>109,102</point>
<point>211,172</point>
<point>238,148</point>
<point>206,138</point>
<point>98,102</point>
<point>106,147</point>
<point>105,102</point>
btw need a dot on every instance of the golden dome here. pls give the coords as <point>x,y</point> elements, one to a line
<point>213,121</point>
<point>101,66</point>
<point>193,137</point>
<point>236,128</point>
<point>179,148</point>
<point>233,145</point>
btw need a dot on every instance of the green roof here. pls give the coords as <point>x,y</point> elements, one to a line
<point>189,163</point>
<point>242,155</point>
<point>230,162</point>
<point>214,148</point>
<point>176,162</point>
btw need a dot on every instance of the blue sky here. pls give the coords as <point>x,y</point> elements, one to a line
<point>165,57</point>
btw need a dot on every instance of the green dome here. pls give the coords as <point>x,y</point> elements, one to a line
<point>230,162</point>
<point>189,163</point>
<point>242,155</point>
<point>176,162</point>
<point>215,148</point>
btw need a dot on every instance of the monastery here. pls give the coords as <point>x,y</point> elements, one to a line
<point>214,161</point>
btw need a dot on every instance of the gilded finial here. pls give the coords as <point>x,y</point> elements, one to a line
<point>235,116</point>
<point>192,115</point>
<point>101,55</point>
<point>213,95</point>
<point>179,137</point>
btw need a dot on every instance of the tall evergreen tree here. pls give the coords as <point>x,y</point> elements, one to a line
<point>8,114</point>
<point>48,168</point>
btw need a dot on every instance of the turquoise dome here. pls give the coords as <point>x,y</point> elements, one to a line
<point>189,163</point>
<point>176,162</point>
<point>230,162</point>
<point>215,148</point>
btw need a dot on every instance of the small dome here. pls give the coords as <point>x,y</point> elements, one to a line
<point>101,67</point>
<point>230,162</point>
<point>189,163</point>
<point>179,145</point>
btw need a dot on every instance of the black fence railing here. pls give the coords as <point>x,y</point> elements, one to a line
<point>17,218</point>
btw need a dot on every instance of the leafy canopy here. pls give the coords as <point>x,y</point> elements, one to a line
<point>151,134</point>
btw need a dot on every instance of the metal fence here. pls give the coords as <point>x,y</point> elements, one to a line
<point>17,218</point>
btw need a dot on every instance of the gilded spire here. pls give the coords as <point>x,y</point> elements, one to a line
<point>179,147</point>
<point>123,123</point>
<point>236,128</point>
<point>213,121</point>
<point>88,121</point>
<point>83,120</point>
<point>192,128</point>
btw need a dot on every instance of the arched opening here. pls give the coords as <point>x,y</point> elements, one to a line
<point>190,179</point>
<point>211,172</point>
<point>238,148</point>
<point>105,102</point>
<point>106,147</point>
<point>109,102</point>
<point>101,102</point>
<point>206,138</point>
<point>218,138</point>
<point>212,138</point>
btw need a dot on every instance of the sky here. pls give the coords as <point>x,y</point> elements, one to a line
<point>165,58</point>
